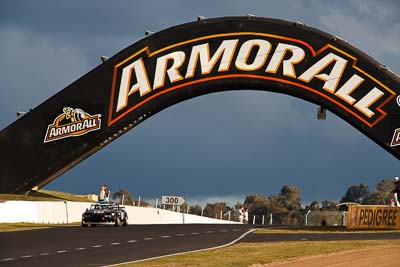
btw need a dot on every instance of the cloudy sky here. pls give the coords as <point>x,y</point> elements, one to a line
<point>216,147</point>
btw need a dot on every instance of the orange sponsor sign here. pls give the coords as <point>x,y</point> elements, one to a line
<point>373,217</point>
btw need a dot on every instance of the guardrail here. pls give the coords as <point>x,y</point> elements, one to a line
<point>59,212</point>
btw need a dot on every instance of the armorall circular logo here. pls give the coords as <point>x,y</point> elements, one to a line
<point>72,122</point>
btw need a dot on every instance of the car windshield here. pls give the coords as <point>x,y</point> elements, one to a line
<point>101,207</point>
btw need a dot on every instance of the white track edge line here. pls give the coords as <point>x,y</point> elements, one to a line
<point>186,252</point>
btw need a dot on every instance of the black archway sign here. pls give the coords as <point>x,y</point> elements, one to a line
<point>189,60</point>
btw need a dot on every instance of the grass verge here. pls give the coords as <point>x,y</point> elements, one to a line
<point>9,227</point>
<point>44,195</point>
<point>246,254</point>
<point>319,230</point>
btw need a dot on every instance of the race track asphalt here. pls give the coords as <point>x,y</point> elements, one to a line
<point>277,237</point>
<point>102,246</point>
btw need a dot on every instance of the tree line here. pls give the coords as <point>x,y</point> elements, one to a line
<point>286,205</point>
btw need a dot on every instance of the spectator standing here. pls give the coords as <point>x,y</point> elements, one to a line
<point>241,214</point>
<point>323,222</point>
<point>246,215</point>
<point>396,191</point>
<point>107,193</point>
<point>102,194</point>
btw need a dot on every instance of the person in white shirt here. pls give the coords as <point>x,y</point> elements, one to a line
<point>102,194</point>
<point>106,194</point>
<point>241,215</point>
<point>246,215</point>
<point>396,191</point>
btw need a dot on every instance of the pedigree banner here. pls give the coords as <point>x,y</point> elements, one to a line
<point>191,60</point>
<point>373,217</point>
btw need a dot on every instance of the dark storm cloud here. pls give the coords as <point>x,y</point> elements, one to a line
<point>228,144</point>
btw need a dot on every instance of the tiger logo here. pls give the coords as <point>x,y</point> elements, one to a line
<point>72,122</point>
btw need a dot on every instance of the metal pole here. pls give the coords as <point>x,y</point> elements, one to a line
<point>122,200</point>
<point>254,219</point>
<point>156,203</point>
<point>306,217</point>
<point>187,211</point>
<point>270,219</point>
<point>139,202</point>
<point>263,219</point>
<point>66,210</point>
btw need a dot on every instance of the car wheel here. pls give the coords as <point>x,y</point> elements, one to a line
<point>84,224</point>
<point>125,222</point>
<point>117,221</point>
<point>93,225</point>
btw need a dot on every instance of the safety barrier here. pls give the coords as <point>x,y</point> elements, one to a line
<point>332,218</point>
<point>385,217</point>
<point>59,212</point>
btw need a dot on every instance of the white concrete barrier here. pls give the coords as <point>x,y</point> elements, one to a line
<point>18,211</point>
<point>42,211</point>
<point>139,215</point>
<point>56,212</point>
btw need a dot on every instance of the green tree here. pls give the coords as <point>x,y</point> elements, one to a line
<point>184,207</point>
<point>356,193</point>
<point>329,205</point>
<point>385,188</point>
<point>214,210</point>
<point>314,206</point>
<point>196,210</point>
<point>290,197</point>
<point>258,205</point>
<point>123,194</point>
<point>382,195</point>
<point>286,207</point>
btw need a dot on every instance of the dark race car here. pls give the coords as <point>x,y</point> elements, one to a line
<point>110,214</point>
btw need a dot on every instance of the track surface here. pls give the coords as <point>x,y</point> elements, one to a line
<point>321,237</point>
<point>99,246</point>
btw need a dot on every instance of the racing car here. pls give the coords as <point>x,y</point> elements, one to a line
<point>108,214</point>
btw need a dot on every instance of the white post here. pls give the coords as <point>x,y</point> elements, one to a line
<point>254,219</point>
<point>220,215</point>
<point>306,218</point>
<point>187,211</point>
<point>122,200</point>
<point>156,203</point>
<point>139,202</point>
<point>163,207</point>
<point>66,210</point>
<point>263,219</point>
<point>202,210</point>
<point>229,216</point>
<point>270,219</point>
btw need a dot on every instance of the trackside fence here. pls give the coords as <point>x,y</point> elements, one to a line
<point>333,218</point>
